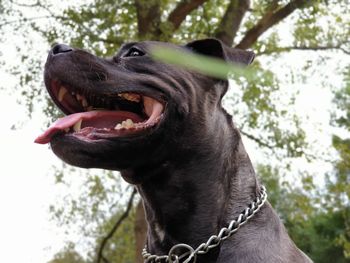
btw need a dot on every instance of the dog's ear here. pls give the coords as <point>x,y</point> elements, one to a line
<point>215,48</point>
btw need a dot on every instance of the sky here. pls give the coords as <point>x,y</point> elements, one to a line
<point>26,183</point>
<point>27,235</point>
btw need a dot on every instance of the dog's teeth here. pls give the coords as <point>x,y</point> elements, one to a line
<point>118,126</point>
<point>134,97</point>
<point>130,96</point>
<point>61,93</point>
<point>84,102</point>
<point>77,126</point>
<point>66,129</point>
<point>122,95</point>
<point>129,124</point>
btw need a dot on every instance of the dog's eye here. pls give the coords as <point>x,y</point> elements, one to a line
<point>134,52</point>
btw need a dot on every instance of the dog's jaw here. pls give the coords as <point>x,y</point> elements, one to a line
<point>128,132</point>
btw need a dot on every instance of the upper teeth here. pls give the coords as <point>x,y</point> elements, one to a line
<point>79,97</point>
<point>61,93</point>
<point>130,96</point>
<point>83,101</point>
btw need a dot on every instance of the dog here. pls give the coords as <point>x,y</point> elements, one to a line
<point>164,129</point>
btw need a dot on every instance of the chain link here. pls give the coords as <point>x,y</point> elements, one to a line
<point>213,241</point>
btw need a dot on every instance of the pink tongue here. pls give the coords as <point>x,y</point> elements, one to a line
<point>69,121</point>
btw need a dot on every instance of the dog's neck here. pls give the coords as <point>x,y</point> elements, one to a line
<point>188,201</point>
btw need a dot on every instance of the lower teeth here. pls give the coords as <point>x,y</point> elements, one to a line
<point>127,124</point>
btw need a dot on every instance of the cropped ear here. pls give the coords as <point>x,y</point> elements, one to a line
<point>215,48</point>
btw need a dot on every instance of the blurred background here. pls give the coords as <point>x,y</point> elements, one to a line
<point>295,119</point>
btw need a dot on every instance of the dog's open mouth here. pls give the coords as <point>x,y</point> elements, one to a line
<point>93,116</point>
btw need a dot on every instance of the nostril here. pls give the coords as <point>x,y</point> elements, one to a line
<point>61,48</point>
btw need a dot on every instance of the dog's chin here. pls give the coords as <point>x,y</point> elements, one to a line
<point>110,154</point>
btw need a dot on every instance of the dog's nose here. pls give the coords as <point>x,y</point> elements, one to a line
<point>61,48</point>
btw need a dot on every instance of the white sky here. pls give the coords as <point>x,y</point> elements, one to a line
<point>26,189</point>
<point>26,234</point>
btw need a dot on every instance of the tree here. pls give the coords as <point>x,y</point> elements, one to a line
<point>68,255</point>
<point>263,107</point>
<point>322,233</point>
<point>338,196</point>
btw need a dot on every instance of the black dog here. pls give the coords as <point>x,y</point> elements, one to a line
<point>164,128</point>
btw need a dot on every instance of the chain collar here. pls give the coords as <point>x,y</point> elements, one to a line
<point>191,254</point>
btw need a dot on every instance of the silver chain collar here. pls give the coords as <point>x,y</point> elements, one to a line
<point>191,254</point>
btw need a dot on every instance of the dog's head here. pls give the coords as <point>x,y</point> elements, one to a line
<point>130,110</point>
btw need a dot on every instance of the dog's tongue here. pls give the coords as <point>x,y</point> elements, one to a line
<point>97,119</point>
<point>101,119</point>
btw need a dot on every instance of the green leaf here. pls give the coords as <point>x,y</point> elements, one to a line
<point>209,66</point>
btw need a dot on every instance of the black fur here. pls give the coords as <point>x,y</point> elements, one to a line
<point>192,170</point>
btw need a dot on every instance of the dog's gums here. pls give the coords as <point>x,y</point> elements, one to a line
<point>91,117</point>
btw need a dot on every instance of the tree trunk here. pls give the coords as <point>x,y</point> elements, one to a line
<point>270,19</point>
<point>140,230</point>
<point>231,21</point>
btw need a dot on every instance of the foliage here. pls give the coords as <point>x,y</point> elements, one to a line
<point>120,248</point>
<point>322,234</point>
<point>68,255</point>
<point>338,195</point>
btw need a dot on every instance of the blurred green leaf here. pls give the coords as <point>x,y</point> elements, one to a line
<point>206,65</point>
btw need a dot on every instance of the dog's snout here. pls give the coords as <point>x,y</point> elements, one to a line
<point>61,48</point>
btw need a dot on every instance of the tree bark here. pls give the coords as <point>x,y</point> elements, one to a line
<point>270,19</point>
<point>148,18</point>
<point>140,230</point>
<point>178,15</point>
<point>306,48</point>
<point>231,21</point>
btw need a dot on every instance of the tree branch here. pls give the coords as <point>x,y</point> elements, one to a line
<point>178,15</point>
<point>114,229</point>
<point>23,20</point>
<point>306,48</point>
<point>37,3</point>
<point>258,141</point>
<point>270,19</point>
<point>105,260</point>
<point>148,18</point>
<point>140,230</point>
<point>231,21</point>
